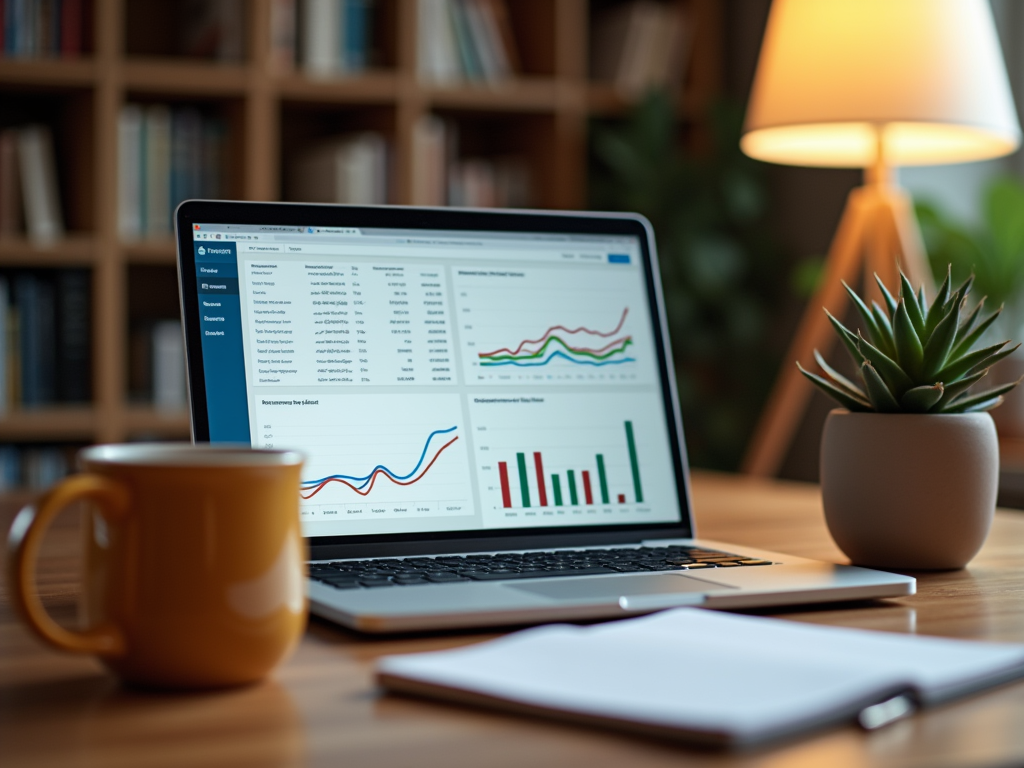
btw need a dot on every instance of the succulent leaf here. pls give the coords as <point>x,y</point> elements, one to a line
<point>915,358</point>
<point>847,401</point>
<point>957,388</point>
<point>971,338</point>
<point>849,339</point>
<point>838,379</point>
<point>962,366</point>
<point>909,350</point>
<point>987,405</point>
<point>921,399</point>
<point>966,325</point>
<point>894,376</point>
<point>878,393</point>
<point>913,308</point>
<point>874,332</point>
<point>936,351</point>
<point>937,311</point>
<point>887,297</point>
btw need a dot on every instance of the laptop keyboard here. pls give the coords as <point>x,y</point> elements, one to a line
<point>505,566</point>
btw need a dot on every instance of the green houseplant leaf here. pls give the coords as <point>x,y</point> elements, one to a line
<point>917,358</point>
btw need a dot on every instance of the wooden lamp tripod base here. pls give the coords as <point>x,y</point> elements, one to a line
<point>877,233</point>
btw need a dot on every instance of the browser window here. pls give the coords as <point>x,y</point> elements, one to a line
<point>440,381</point>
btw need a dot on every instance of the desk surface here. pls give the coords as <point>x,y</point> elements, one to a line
<point>321,707</point>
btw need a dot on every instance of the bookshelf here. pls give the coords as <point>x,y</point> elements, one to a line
<point>129,56</point>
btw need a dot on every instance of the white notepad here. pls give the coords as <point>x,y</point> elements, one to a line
<point>702,675</point>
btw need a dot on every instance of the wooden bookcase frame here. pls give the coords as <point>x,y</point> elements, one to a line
<point>564,99</point>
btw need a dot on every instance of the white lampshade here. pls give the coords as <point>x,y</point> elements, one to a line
<point>924,79</point>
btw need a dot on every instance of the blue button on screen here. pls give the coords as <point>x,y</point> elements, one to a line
<point>618,258</point>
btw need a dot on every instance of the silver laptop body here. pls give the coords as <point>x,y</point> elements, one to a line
<point>472,389</point>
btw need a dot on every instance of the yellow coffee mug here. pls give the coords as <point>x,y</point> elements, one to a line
<point>194,562</point>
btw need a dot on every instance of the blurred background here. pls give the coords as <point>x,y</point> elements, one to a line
<point>111,112</point>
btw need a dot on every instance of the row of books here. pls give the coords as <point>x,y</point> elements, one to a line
<point>466,40</point>
<point>442,177</point>
<point>156,365</point>
<point>165,156</point>
<point>34,466</point>
<point>346,169</point>
<point>29,190</point>
<point>45,338</point>
<point>640,45</point>
<point>44,28</point>
<point>326,37</point>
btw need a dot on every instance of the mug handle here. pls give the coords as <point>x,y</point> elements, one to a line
<point>23,544</point>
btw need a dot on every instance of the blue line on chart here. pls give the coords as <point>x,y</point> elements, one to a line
<point>366,478</point>
<point>596,364</point>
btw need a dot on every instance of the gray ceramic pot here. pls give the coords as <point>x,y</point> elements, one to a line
<point>911,491</point>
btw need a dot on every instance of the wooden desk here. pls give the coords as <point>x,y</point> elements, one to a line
<point>321,707</point>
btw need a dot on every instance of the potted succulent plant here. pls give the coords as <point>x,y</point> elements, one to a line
<point>910,464</point>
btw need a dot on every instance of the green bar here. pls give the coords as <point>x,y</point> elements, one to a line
<point>603,478</point>
<point>634,463</point>
<point>573,498</point>
<point>523,485</point>
<point>556,486</point>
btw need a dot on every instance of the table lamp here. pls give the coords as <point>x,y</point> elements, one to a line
<point>869,84</point>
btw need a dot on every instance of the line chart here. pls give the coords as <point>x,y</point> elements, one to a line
<point>364,485</point>
<point>529,354</point>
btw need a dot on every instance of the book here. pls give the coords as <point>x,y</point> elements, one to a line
<point>429,166</point>
<point>709,677</point>
<point>348,169</point>
<point>10,184</point>
<point>35,301</point>
<point>73,336</point>
<point>640,45</point>
<point>156,211</point>
<point>437,50</point>
<point>40,190</point>
<point>168,357</point>
<point>130,162</point>
<point>283,43</point>
<point>321,36</point>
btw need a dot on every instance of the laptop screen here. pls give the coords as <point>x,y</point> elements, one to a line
<point>440,381</point>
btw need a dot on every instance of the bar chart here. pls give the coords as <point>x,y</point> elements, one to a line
<point>572,459</point>
<point>572,497</point>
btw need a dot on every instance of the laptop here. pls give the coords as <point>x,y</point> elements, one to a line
<point>487,405</point>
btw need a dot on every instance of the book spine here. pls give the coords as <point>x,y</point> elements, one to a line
<point>158,171</point>
<point>471,67</point>
<point>73,336</point>
<point>169,380</point>
<point>283,25</point>
<point>129,172</point>
<point>321,25</point>
<point>39,184</point>
<point>71,28</point>
<point>356,31</point>
<point>5,301</point>
<point>10,187</point>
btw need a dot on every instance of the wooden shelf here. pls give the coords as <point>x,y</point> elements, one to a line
<point>266,112</point>
<point>174,76</point>
<point>142,420</point>
<point>49,72</point>
<point>64,423</point>
<point>521,94</point>
<point>151,252</point>
<point>369,88</point>
<point>74,250</point>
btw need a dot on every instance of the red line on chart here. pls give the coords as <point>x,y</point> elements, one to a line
<point>552,329</point>
<point>379,472</point>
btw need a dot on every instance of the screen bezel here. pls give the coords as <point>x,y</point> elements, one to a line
<point>401,217</point>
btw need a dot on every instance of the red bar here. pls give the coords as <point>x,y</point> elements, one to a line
<point>506,492</point>
<point>587,493</point>
<point>622,498</point>
<point>542,492</point>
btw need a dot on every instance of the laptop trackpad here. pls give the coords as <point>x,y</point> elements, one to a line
<point>620,587</point>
